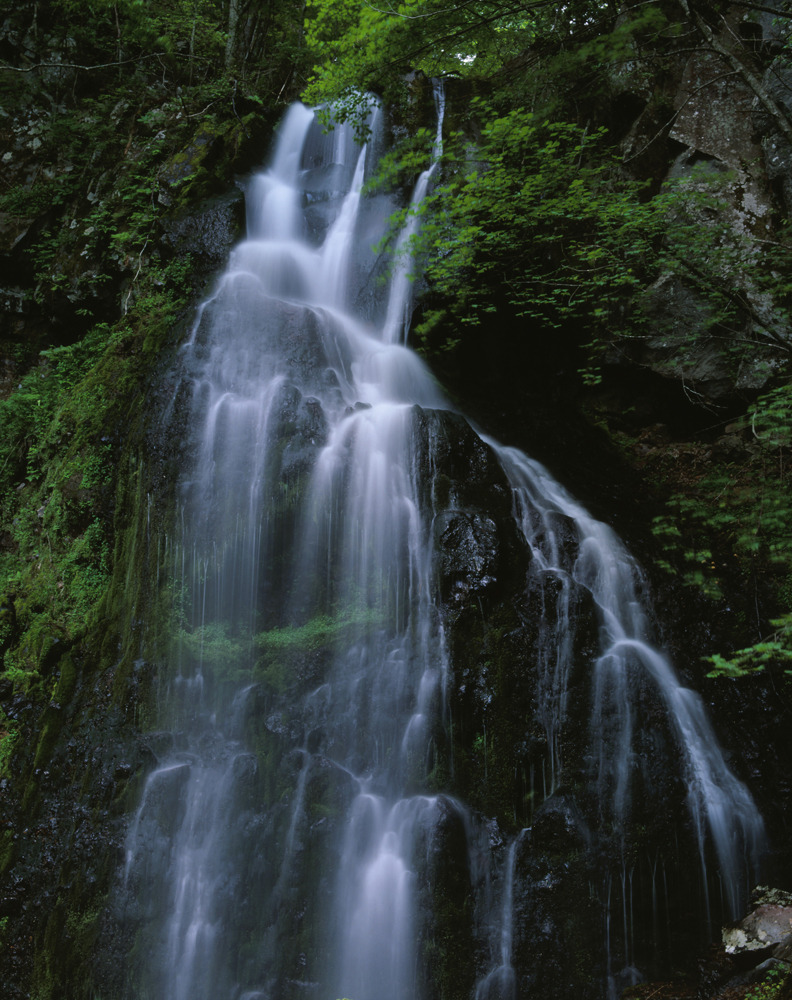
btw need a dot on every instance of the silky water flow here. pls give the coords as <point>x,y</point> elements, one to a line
<point>309,650</point>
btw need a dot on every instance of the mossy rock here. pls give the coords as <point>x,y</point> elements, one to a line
<point>206,166</point>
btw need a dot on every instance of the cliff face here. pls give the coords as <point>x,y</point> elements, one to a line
<point>121,207</point>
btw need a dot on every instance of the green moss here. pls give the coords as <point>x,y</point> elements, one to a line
<point>45,972</point>
<point>205,166</point>
<point>6,850</point>
<point>9,736</point>
<point>67,680</point>
<point>275,674</point>
<point>213,646</point>
<point>50,730</point>
<point>318,632</point>
<point>66,951</point>
<point>88,414</point>
<point>82,929</point>
<point>319,810</point>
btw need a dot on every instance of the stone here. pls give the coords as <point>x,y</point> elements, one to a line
<point>558,826</point>
<point>208,232</point>
<point>711,121</point>
<point>772,28</point>
<point>765,927</point>
<point>468,552</point>
<point>775,146</point>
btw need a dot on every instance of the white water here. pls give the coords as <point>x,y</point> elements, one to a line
<point>721,807</point>
<point>303,505</point>
<point>500,983</point>
<point>397,318</point>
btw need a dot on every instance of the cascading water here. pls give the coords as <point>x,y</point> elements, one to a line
<point>304,832</point>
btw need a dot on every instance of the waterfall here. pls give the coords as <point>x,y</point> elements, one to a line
<point>721,807</point>
<point>305,824</point>
<point>500,981</point>
<point>397,317</point>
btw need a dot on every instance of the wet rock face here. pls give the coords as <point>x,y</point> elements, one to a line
<point>446,940</point>
<point>207,232</point>
<point>63,833</point>
<point>558,947</point>
<point>467,553</point>
<point>458,468</point>
<point>558,826</point>
<point>468,500</point>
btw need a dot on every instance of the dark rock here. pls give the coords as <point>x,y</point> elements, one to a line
<point>467,553</point>
<point>163,796</point>
<point>558,826</point>
<point>207,232</point>
<point>459,470</point>
<point>159,744</point>
<point>776,146</point>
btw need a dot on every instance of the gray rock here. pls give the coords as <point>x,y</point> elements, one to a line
<point>765,927</point>
<point>773,29</point>
<point>775,146</point>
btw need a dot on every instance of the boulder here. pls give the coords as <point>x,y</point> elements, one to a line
<point>767,926</point>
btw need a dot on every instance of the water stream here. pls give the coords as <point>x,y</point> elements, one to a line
<point>293,839</point>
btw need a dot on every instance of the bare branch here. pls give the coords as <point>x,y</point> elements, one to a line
<point>737,64</point>
<point>122,62</point>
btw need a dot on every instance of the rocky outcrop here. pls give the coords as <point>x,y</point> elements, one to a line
<point>753,960</point>
<point>206,232</point>
<point>722,143</point>
<point>767,929</point>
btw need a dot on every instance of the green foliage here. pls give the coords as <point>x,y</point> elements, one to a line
<point>318,632</point>
<point>535,217</point>
<point>776,649</point>
<point>538,221</point>
<point>212,646</point>
<point>743,510</point>
<point>771,423</point>
<point>53,479</point>
<point>58,478</point>
<point>772,985</point>
<point>358,47</point>
<point>186,35</point>
<point>106,181</point>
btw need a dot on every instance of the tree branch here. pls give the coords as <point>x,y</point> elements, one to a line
<point>763,7</point>
<point>122,62</point>
<point>748,77</point>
